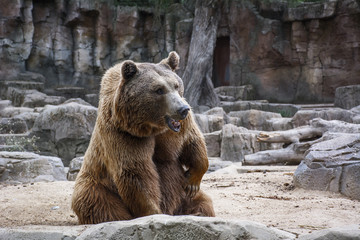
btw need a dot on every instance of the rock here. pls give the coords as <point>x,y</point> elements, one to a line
<point>182,227</point>
<point>216,163</point>
<point>32,98</point>
<point>213,143</point>
<point>28,117</point>
<point>65,130</point>
<point>280,124</point>
<point>345,232</point>
<point>301,65</point>
<point>332,165</point>
<point>253,119</point>
<point>234,146</point>
<point>42,232</point>
<point>310,11</point>
<point>350,183</point>
<point>287,53</point>
<point>10,112</point>
<point>347,97</point>
<point>12,126</point>
<point>242,105</point>
<point>93,99</point>
<point>238,168</point>
<point>236,142</point>
<point>71,92</point>
<point>303,117</point>
<point>23,85</point>
<point>31,77</point>
<point>25,167</point>
<point>235,93</point>
<point>286,110</point>
<point>4,104</point>
<point>78,101</point>
<point>356,110</point>
<point>74,168</point>
<point>209,123</point>
<point>317,177</point>
<point>335,126</point>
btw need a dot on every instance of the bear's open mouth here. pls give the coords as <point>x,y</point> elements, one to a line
<point>173,124</point>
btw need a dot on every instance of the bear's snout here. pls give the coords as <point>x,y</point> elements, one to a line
<point>183,111</point>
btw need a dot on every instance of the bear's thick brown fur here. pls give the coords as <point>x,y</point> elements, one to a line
<point>146,155</point>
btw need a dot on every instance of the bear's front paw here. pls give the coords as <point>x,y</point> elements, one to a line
<point>191,190</point>
<point>193,184</point>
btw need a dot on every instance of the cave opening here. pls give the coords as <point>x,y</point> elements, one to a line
<point>221,62</point>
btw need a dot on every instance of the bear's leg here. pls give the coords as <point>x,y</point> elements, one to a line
<point>95,204</point>
<point>199,205</point>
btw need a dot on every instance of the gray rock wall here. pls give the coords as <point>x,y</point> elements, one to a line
<point>297,54</point>
<point>72,43</point>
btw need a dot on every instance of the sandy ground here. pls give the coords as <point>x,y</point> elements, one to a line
<point>269,198</point>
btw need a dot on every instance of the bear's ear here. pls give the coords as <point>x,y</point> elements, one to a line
<point>172,60</point>
<point>128,69</point>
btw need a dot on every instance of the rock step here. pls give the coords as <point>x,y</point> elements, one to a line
<point>316,106</point>
<point>10,139</point>
<point>235,93</point>
<point>24,85</point>
<point>70,92</point>
<point>4,104</point>
<point>286,110</point>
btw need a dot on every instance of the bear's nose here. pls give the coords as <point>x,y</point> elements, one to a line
<point>183,111</point>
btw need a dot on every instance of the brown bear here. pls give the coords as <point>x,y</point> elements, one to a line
<point>146,154</point>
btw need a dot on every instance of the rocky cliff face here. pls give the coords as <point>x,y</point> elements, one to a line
<point>72,43</point>
<point>297,54</point>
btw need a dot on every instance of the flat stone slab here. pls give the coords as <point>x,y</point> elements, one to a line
<point>42,232</point>
<point>238,168</point>
<point>172,227</point>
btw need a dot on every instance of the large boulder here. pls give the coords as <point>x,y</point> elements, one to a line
<point>209,123</point>
<point>25,167</point>
<point>65,130</point>
<point>347,97</point>
<point>332,165</point>
<point>236,142</point>
<point>182,227</point>
<point>211,120</point>
<point>213,143</point>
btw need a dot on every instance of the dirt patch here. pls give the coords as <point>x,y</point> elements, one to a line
<point>265,197</point>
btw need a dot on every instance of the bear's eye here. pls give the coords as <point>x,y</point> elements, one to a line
<point>176,87</point>
<point>160,91</point>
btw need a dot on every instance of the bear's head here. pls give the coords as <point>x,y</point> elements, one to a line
<point>149,98</point>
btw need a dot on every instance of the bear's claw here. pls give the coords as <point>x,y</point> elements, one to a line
<point>191,190</point>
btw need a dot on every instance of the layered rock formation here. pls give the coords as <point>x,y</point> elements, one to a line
<point>301,53</point>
